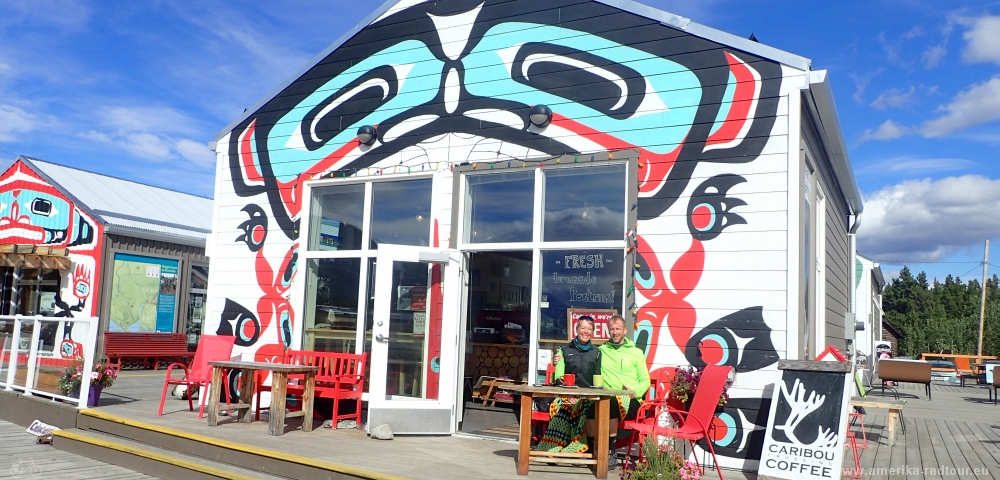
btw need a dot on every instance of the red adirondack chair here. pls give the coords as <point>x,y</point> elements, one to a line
<point>341,377</point>
<point>696,423</point>
<point>211,348</point>
<point>642,426</point>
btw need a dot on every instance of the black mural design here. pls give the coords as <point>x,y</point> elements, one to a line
<point>740,428</point>
<point>239,322</point>
<point>741,340</point>
<point>709,211</point>
<point>707,60</point>
<point>254,228</point>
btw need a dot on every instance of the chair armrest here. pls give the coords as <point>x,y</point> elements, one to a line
<point>687,416</point>
<point>170,368</point>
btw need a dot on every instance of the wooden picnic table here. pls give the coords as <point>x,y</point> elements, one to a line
<point>895,408</point>
<point>598,460</point>
<point>279,386</point>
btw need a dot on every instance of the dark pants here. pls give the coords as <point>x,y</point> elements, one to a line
<point>630,411</point>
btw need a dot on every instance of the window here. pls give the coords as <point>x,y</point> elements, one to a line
<point>584,203</point>
<point>332,304</point>
<point>401,213</point>
<point>500,207</point>
<point>337,218</point>
<point>197,297</point>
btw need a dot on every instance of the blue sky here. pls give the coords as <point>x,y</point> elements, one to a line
<point>137,89</point>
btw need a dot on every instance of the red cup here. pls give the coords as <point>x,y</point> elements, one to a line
<point>569,380</point>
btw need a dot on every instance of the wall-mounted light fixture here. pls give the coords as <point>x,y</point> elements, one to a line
<point>540,116</point>
<point>367,135</point>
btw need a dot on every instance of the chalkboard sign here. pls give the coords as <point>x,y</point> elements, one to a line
<point>807,427</point>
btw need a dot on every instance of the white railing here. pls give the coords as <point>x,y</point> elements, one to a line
<point>12,349</point>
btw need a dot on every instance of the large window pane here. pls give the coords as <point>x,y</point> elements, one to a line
<point>332,304</point>
<point>500,207</point>
<point>337,217</point>
<point>578,279</point>
<point>584,203</point>
<point>401,213</point>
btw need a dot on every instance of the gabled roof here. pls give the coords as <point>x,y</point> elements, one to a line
<point>664,18</point>
<point>131,208</point>
<point>892,330</point>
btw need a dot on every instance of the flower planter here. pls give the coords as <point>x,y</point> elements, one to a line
<point>95,395</point>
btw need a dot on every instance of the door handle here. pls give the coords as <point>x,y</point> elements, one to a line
<point>381,338</point>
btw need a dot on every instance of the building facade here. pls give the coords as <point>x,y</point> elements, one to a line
<point>870,284</point>
<point>450,183</point>
<point>77,243</point>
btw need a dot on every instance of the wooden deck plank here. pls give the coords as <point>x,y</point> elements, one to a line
<point>912,449</point>
<point>928,450</point>
<point>882,452</point>
<point>952,430</point>
<point>945,449</point>
<point>897,455</point>
<point>976,448</point>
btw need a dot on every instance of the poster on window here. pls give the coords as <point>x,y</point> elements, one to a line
<point>143,294</point>
<point>807,427</point>
<point>411,298</point>
<point>580,279</point>
<point>600,316</point>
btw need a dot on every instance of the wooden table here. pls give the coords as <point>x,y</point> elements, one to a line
<point>895,408</point>
<point>598,459</point>
<point>279,386</point>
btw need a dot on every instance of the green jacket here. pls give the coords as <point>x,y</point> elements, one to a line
<point>625,366</point>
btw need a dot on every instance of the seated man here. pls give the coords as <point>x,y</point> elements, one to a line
<point>623,366</point>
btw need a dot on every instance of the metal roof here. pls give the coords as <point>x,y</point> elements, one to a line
<point>136,208</point>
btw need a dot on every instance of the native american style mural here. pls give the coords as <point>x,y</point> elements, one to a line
<point>451,82</point>
<point>34,212</point>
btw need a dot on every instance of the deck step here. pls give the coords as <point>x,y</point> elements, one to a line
<point>148,459</point>
<point>223,452</point>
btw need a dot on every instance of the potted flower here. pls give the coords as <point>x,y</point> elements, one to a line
<point>660,462</point>
<point>102,376</point>
<point>685,383</point>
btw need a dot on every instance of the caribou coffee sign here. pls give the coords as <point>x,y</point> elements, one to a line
<point>807,426</point>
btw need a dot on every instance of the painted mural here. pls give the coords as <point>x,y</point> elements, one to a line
<point>34,212</point>
<point>451,82</point>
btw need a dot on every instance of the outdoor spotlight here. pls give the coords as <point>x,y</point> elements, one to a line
<point>367,134</point>
<point>540,116</point>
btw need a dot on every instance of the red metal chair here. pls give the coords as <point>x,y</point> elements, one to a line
<point>211,348</point>
<point>697,422</point>
<point>642,426</point>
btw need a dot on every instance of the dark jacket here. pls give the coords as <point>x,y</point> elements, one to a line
<point>583,364</point>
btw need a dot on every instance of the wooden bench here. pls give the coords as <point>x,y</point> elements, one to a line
<point>910,371</point>
<point>148,346</point>
<point>895,408</point>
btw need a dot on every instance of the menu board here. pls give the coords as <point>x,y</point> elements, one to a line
<point>579,279</point>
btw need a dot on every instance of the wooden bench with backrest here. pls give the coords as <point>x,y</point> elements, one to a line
<point>341,377</point>
<point>909,371</point>
<point>150,347</point>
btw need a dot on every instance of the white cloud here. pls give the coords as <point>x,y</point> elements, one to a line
<point>982,37</point>
<point>914,165</point>
<point>197,153</point>
<point>887,131</point>
<point>14,120</point>
<point>933,55</point>
<point>894,98</point>
<point>861,83</point>
<point>924,220</point>
<point>976,105</point>
<point>5,70</point>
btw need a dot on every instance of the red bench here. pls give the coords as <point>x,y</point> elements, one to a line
<point>341,377</point>
<point>147,346</point>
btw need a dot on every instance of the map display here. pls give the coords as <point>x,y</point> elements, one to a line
<point>143,294</point>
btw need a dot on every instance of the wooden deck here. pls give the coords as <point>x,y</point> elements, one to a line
<point>20,449</point>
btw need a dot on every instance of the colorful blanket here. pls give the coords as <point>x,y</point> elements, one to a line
<point>567,425</point>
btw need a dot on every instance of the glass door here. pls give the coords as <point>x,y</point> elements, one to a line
<point>414,349</point>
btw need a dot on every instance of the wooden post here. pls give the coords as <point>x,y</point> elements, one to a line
<point>603,415</point>
<point>279,390</point>
<point>307,403</point>
<point>213,396</point>
<point>982,303</point>
<point>247,387</point>
<point>524,442</point>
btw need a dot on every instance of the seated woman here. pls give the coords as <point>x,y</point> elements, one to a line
<point>568,416</point>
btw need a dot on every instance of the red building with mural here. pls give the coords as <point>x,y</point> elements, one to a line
<point>76,243</point>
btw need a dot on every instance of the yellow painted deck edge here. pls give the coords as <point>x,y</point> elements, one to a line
<point>290,457</point>
<point>141,452</point>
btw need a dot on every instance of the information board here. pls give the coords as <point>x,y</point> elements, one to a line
<point>807,427</point>
<point>143,294</point>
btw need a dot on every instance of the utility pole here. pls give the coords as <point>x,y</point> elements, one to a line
<point>982,303</point>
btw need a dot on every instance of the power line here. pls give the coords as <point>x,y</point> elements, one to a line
<point>980,262</point>
<point>970,271</point>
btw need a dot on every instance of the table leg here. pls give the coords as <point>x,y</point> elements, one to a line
<point>524,441</point>
<point>279,389</point>
<point>247,386</point>
<point>213,396</point>
<point>892,428</point>
<point>307,402</point>
<point>603,414</point>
